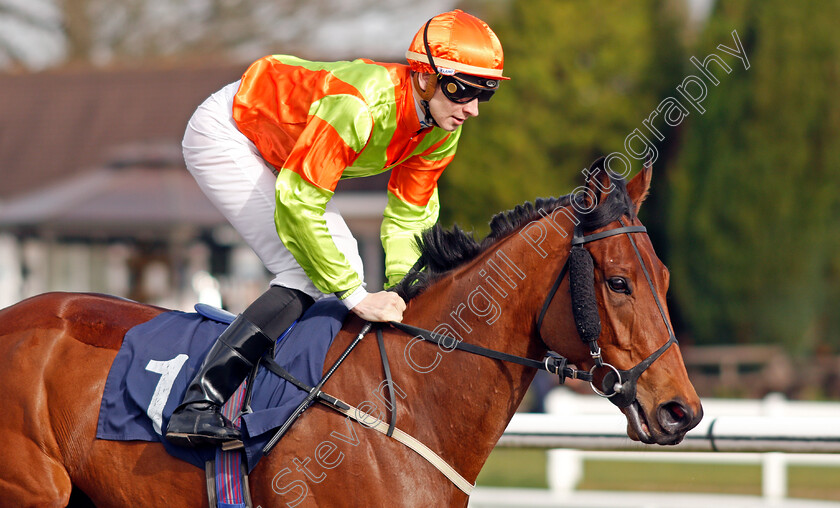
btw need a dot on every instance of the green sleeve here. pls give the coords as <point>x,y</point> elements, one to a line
<point>299,218</point>
<point>401,224</point>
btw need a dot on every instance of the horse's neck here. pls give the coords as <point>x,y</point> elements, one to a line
<point>491,302</point>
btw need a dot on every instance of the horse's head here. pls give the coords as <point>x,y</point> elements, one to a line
<point>617,288</point>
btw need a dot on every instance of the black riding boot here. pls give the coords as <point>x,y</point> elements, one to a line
<point>197,421</point>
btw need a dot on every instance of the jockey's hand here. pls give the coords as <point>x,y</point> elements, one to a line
<point>380,307</point>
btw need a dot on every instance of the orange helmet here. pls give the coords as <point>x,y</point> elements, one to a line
<point>458,43</point>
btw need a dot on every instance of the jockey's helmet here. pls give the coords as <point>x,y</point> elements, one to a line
<point>462,53</point>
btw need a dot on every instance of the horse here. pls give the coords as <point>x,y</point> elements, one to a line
<point>508,292</point>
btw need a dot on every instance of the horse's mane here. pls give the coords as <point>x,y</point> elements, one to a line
<point>442,250</point>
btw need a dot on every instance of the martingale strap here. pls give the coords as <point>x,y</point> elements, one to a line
<point>424,451</point>
<point>277,369</point>
<point>369,421</point>
<point>388,381</point>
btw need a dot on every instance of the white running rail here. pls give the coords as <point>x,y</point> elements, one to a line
<point>772,432</point>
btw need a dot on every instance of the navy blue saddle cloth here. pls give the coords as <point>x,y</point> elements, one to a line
<point>159,358</point>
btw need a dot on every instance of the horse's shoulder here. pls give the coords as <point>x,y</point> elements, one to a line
<point>94,319</point>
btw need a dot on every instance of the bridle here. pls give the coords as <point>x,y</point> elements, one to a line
<point>619,386</point>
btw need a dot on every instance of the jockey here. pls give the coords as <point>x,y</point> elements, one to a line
<point>268,151</point>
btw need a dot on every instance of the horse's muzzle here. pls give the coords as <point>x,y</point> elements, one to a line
<point>673,420</point>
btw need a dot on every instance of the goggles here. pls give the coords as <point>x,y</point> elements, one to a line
<point>462,88</point>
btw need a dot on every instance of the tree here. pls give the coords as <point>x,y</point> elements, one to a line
<point>108,31</point>
<point>29,34</point>
<point>755,197</point>
<point>585,74</point>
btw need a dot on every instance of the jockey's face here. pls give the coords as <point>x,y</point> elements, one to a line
<point>447,114</point>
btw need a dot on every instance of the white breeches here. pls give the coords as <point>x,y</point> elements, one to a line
<point>240,183</point>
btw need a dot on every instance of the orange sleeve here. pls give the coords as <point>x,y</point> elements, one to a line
<point>415,180</point>
<point>320,155</point>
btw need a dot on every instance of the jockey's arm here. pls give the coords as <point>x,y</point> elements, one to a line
<point>413,206</point>
<point>302,228</point>
<point>330,142</point>
<point>335,134</point>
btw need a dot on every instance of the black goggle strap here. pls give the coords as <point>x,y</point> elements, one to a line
<point>431,83</point>
<point>428,49</point>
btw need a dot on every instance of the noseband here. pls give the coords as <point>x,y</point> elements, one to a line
<point>618,385</point>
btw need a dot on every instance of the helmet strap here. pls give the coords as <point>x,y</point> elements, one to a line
<point>429,120</point>
<point>431,83</point>
<point>426,95</point>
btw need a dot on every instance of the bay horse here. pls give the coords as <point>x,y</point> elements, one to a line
<point>502,293</point>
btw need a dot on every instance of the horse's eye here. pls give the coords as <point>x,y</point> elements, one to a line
<point>619,285</point>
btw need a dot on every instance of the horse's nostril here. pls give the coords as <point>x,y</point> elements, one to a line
<point>674,417</point>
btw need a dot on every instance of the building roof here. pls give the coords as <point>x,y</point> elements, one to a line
<point>99,150</point>
<point>138,200</point>
<point>58,124</point>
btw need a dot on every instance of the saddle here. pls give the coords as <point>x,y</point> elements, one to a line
<point>157,359</point>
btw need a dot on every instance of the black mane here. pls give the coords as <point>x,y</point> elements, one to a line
<point>442,250</point>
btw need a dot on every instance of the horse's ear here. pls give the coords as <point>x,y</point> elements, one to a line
<point>639,186</point>
<point>597,181</point>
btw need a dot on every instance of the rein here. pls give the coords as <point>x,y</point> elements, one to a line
<point>551,363</point>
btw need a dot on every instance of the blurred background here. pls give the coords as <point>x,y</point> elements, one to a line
<point>744,209</point>
<point>745,205</point>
